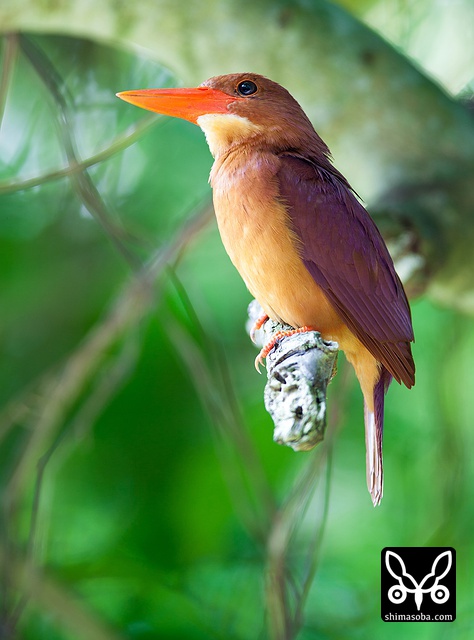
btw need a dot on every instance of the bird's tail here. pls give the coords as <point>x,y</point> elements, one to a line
<point>374,437</point>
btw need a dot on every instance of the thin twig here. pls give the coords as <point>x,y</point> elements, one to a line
<point>241,467</point>
<point>218,366</point>
<point>61,390</point>
<point>81,181</point>
<point>284,619</point>
<point>104,389</point>
<point>313,554</point>
<point>119,143</point>
<point>128,309</point>
<point>66,608</point>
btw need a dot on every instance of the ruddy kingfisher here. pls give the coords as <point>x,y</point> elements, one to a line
<point>303,243</point>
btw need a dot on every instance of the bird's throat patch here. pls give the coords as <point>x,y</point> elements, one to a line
<point>225,130</point>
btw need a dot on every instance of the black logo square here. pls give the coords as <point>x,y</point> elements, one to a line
<point>418,584</point>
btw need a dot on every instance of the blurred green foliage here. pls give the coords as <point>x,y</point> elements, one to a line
<point>138,524</point>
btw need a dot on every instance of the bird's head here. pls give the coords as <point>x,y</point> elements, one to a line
<point>235,109</point>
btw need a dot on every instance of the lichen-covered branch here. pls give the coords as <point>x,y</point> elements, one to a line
<point>299,369</point>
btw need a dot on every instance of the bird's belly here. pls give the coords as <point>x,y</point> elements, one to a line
<point>265,251</point>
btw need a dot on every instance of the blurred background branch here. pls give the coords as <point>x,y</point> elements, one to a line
<point>124,354</point>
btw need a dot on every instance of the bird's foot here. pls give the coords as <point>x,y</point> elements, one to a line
<point>279,335</point>
<point>259,322</point>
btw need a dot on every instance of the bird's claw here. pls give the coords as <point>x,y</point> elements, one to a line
<point>279,335</point>
<point>267,348</point>
<point>258,324</point>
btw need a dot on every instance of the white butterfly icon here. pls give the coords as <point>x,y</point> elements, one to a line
<point>398,593</point>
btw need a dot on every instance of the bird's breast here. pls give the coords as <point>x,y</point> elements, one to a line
<point>257,234</point>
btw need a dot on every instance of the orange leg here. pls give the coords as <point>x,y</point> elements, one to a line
<point>259,322</point>
<point>276,338</point>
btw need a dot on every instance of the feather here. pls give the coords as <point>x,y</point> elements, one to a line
<point>344,252</point>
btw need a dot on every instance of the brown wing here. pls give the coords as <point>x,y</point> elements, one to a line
<point>347,257</point>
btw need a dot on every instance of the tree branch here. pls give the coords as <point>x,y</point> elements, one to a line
<point>299,370</point>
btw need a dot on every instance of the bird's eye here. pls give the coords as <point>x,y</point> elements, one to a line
<point>247,88</point>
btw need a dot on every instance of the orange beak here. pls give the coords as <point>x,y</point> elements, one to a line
<point>188,104</point>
